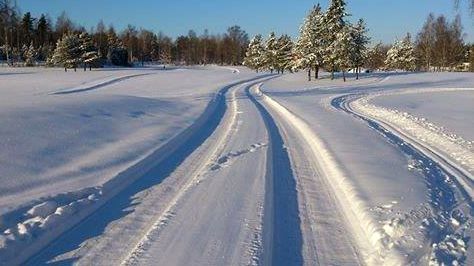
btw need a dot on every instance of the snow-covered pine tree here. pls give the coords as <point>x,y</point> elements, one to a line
<point>334,22</point>
<point>67,52</point>
<point>255,52</point>
<point>23,51</point>
<point>30,55</point>
<point>376,56</point>
<point>309,48</point>
<point>402,55</point>
<point>393,56</point>
<point>89,54</point>
<point>284,53</point>
<point>117,53</point>
<point>269,57</point>
<point>342,50</point>
<point>359,48</point>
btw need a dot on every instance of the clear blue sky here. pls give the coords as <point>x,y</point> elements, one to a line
<point>386,19</point>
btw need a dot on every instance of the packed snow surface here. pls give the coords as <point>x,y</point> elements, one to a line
<point>224,166</point>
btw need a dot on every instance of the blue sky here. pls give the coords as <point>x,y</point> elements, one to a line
<point>386,19</point>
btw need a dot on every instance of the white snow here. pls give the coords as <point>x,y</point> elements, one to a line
<point>148,166</point>
<point>68,138</point>
<point>449,144</point>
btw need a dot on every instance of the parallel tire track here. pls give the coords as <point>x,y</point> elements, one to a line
<point>119,192</point>
<point>364,238</point>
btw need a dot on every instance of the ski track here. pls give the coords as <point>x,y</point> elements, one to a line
<point>119,196</point>
<point>447,224</point>
<point>95,85</point>
<point>363,240</point>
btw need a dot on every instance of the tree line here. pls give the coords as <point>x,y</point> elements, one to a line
<point>328,40</point>
<point>25,40</point>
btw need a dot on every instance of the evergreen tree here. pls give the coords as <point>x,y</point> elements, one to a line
<point>255,53</point>
<point>309,49</point>
<point>27,28</point>
<point>342,51</point>
<point>359,47</point>
<point>334,23</point>
<point>117,54</point>
<point>269,57</point>
<point>402,55</point>
<point>376,56</point>
<point>42,31</point>
<point>67,52</point>
<point>284,54</point>
<point>89,54</point>
<point>30,55</point>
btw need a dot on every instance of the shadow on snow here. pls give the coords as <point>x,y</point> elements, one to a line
<point>121,204</point>
<point>282,237</point>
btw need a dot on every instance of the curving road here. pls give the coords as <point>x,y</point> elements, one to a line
<point>252,183</point>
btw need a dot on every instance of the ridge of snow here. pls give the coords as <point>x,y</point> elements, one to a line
<point>369,235</point>
<point>456,148</point>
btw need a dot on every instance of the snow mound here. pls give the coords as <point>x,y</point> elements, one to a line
<point>44,209</point>
<point>41,223</point>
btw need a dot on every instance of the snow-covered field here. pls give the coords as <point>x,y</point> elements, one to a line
<point>224,166</point>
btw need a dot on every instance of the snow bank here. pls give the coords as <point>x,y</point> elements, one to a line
<point>42,223</point>
<point>447,144</point>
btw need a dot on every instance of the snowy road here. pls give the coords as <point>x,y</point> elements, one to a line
<point>273,172</point>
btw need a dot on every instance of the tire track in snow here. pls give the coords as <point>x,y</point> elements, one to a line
<point>282,236</point>
<point>119,193</point>
<point>368,235</point>
<point>223,135</point>
<point>450,200</point>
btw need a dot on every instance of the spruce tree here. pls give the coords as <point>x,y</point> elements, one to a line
<point>255,53</point>
<point>269,57</point>
<point>30,55</point>
<point>402,55</point>
<point>117,54</point>
<point>89,53</point>
<point>309,48</point>
<point>67,52</point>
<point>359,49</point>
<point>284,54</point>
<point>376,56</point>
<point>334,22</point>
<point>342,50</point>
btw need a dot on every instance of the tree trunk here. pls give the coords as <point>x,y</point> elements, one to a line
<point>344,75</point>
<point>332,74</point>
<point>316,72</point>
<point>65,69</point>
<point>357,72</point>
<point>309,74</point>
<point>7,48</point>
